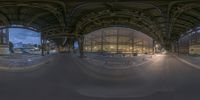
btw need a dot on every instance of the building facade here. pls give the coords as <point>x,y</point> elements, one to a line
<point>118,40</point>
<point>4,41</point>
<point>190,43</point>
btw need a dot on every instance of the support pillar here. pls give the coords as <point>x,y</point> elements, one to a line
<point>117,40</point>
<point>91,44</point>
<point>142,47</point>
<point>178,47</point>
<point>102,42</point>
<point>42,45</point>
<point>153,47</point>
<point>69,45</point>
<point>46,46</point>
<point>133,44</point>
<point>81,45</point>
<point>73,47</point>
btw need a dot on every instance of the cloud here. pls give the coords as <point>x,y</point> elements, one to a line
<point>23,35</point>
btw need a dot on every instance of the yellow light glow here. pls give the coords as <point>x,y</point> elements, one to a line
<point>111,47</point>
<point>156,45</point>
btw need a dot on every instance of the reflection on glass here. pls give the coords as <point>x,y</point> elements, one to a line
<point>118,40</point>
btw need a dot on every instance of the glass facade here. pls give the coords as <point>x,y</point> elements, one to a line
<point>118,40</point>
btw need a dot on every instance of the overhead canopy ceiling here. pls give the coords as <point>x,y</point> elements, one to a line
<point>162,20</point>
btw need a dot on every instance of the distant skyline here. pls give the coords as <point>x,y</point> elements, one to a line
<point>25,36</point>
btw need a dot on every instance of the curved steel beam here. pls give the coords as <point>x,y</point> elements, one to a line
<point>104,14</point>
<point>4,18</point>
<point>23,27</point>
<point>35,18</point>
<point>35,5</point>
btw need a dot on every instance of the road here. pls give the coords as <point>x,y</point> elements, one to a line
<point>166,78</point>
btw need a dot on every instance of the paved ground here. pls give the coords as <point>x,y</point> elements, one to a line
<point>166,78</point>
<point>192,59</point>
<point>21,60</point>
<point>114,67</point>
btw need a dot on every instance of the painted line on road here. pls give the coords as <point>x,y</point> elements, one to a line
<point>187,62</point>
<point>144,63</point>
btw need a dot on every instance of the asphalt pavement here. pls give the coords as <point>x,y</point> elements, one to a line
<point>166,78</point>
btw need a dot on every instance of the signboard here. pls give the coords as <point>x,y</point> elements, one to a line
<point>195,49</point>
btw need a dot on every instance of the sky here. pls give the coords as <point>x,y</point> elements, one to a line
<point>76,44</point>
<point>25,36</point>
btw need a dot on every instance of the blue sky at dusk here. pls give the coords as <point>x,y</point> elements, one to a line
<point>25,36</point>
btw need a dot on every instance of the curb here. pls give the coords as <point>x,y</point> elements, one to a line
<point>24,69</point>
<point>187,62</point>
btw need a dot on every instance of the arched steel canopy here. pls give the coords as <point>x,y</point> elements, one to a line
<point>39,14</point>
<point>164,21</point>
